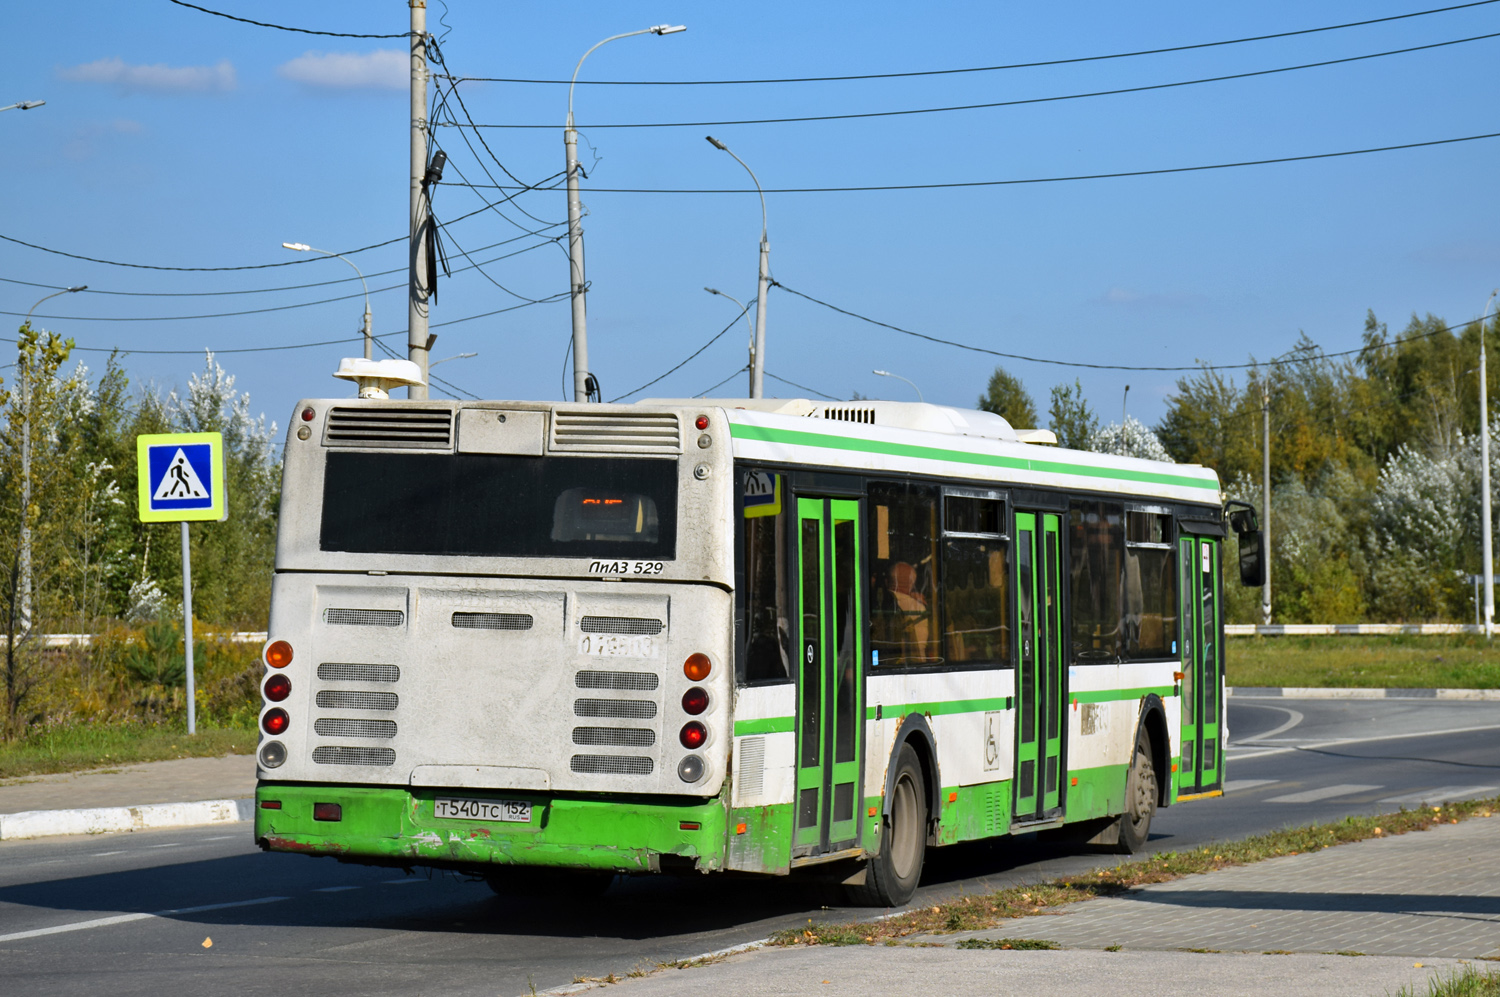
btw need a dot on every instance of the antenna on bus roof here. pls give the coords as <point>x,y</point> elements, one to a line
<point>376,378</point>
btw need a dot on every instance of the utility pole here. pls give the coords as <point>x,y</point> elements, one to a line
<point>1487,528</point>
<point>1265,484</point>
<point>763,283</point>
<point>417,340</point>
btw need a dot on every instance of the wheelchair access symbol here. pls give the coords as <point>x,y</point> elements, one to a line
<point>181,477</point>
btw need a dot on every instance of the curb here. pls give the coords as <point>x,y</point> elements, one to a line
<point>101,820</point>
<point>1293,692</point>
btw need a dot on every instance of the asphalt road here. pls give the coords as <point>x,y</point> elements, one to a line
<point>130,913</point>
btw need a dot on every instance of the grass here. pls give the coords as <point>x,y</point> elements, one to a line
<point>74,746</point>
<point>1456,661</point>
<point>978,912</point>
<point>1468,982</point>
<point>1019,944</point>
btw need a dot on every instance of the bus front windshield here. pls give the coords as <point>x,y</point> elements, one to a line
<point>492,505</point>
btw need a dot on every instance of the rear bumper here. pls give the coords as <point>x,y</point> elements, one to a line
<point>394,825</point>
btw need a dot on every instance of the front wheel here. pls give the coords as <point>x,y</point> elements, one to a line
<point>892,876</point>
<point>1140,797</point>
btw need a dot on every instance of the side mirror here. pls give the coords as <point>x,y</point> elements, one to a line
<point>1252,559</point>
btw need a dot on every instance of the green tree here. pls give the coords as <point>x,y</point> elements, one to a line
<point>1070,417</point>
<point>1005,397</point>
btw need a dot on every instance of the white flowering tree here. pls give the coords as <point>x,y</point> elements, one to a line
<point>1132,439</point>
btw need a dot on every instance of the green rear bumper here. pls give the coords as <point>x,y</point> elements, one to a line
<point>395,826</point>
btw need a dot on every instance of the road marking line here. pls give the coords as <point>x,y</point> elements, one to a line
<point>404,882</point>
<point>100,855</point>
<point>1294,718</point>
<point>102,922</point>
<point>1317,745</point>
<point>1442,794</point>
<point>334,889</point>
<point>1240,785</point>
<point>1327,792</point>
<point>170,844</point>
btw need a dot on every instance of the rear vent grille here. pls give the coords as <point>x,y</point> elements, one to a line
<point>627,709</point>
<point>339,727</point>
<point>389,427</point>
<point>620,625</point>
<point>611,765</point>
<point>346,699</point>
<point>865,415</point>
<point>616,432</point>
<point>492,621</point>
<point>635,681</point>
<point>340,671</point>
<point>624,737</point>
<point>331,755</point>
<point>364,617</point>
<point>750,774</point>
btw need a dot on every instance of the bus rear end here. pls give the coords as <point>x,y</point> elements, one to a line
<point>500,636</point>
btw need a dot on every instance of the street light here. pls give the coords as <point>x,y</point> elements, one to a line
<point>302,247</point>
<point>24,105</point>
<point>758,351</point>
<point>575,226</point>
<point>456,356</point>
<point>1484,462</point>
<point>886,373</point>
<point>25,552</point>
<point>744,310</point>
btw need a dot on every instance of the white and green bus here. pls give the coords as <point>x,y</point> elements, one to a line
<point>530,640</point>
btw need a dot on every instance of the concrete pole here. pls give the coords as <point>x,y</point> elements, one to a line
<point>187,628</point>
<point>1265,479</point>
<point>421,214</point>
<point>576,283</point>
<point>1487,522</point>
<point>763,282</point>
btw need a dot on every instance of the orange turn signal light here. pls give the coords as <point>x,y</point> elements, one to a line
<point>696,667</point>
<point>278,654</point>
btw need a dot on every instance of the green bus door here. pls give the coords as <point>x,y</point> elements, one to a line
<point>1199,768</point>
<point>829,682</point>
<point>1039,685</point>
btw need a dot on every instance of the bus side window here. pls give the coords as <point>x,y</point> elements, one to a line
<point>1096,547</point>
<point>1150,589</point>
<point>904,539</point>
<point>768,651</point>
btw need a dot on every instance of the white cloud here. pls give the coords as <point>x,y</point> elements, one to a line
<point>383,69</point>
<point>159,78</point>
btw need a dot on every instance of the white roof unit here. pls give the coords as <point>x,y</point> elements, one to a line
<point>871,412</point>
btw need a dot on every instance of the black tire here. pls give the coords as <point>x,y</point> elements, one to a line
<point>1140,797</point>
<point>544,883</point>
<point>892,876</point>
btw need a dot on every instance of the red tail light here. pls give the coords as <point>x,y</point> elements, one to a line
<point>328,811</point>
<point>693,734</point>
<point>278,687</point>
<point>694,701</point>
<point>275,721</point>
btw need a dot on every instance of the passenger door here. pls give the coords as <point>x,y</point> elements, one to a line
<point>830,698</point>
<point>1039,691</point>
<point>1199,765</point>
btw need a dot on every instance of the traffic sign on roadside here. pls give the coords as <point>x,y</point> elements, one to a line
<point>180,477</point>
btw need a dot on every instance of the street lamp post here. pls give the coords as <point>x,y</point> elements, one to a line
<point>886,373</point>
<point>1486,528</point>
<point>25,551</point>
<point>575,223</point>
<point>302,247</point>
<point>744,310</point>
<point>758,353</point>
<point>23,105</point>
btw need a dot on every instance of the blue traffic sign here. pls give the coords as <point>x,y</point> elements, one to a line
<point>181,477</point>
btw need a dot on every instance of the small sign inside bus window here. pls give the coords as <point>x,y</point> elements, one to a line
<point>762,494</point>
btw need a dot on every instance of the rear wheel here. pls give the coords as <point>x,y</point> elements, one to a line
<point>559,884</point>
<point>892,876</point>
<point>1140,797</point>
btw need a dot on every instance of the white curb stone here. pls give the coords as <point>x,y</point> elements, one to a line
<point>101,820</point>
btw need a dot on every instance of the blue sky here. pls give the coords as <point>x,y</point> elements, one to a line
<point>174,138</point>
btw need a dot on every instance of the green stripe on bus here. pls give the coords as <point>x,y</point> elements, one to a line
<point>765,725</point>
<point>798,437</point>
<point>1116,695</point>
<point>939,709</point>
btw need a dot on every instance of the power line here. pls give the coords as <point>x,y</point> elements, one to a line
<point>282,27</point>
<point>715,339</point>
<point>981,69</point>
<point>1017,103</point>
<point>1030,180</point>
<point>1076,363</point>
<point>726,380</point>
<point>803,387</point>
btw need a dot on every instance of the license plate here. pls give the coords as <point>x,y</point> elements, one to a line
<point>511,811</point>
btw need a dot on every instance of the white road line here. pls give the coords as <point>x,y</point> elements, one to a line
<point>334,889</point>
<point>170,844</point>
<point>1340,742</point>
<point>100,855</point>
<point>1442,794</point>
<point>404,882</point>
<point>1326,793</point>
<point>1240,785</point>
<point>1294,718</point>
<point>222,837</point>
<point>102,922</point>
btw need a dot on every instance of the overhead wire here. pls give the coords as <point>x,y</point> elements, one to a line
<point>803,387</point>
<point>726,380</point>
<point>991,69</point>
<point>1030,180</point>
<point>732,323</point>
<point>283,27</point>
<point>1014,103</point>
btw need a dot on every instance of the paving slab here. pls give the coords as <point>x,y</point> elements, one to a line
<point>859,971</point>
<point>176,781</point>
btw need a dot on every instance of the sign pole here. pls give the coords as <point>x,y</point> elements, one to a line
<point>187,628</point>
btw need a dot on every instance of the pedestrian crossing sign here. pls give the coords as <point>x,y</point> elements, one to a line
<point>180,477</point>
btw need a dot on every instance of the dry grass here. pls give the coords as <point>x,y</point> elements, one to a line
<point>1458,661</point>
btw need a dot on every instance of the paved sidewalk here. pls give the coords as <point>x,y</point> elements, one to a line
<point>176,781</point>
